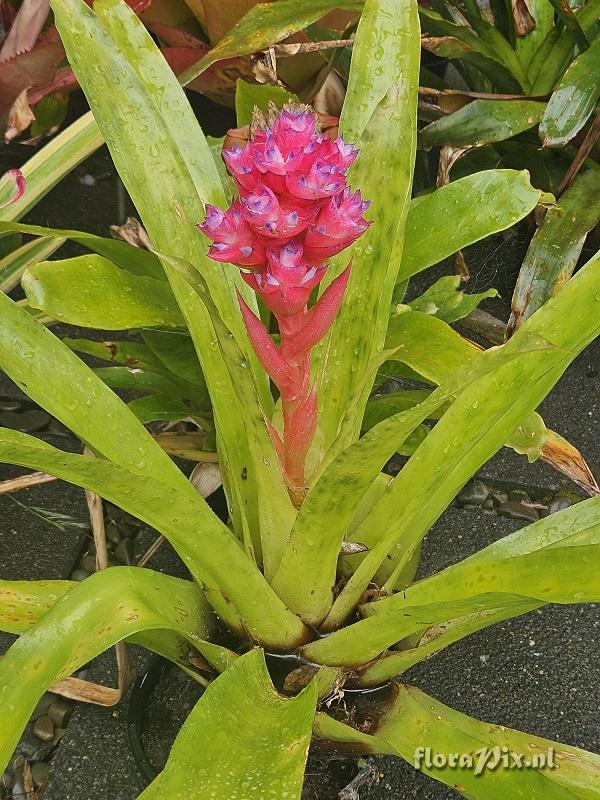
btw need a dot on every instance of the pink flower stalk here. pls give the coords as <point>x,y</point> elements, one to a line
<point>294,212</point>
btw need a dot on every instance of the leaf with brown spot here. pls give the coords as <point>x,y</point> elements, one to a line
<point>566,458</point>
<point>522,17</point>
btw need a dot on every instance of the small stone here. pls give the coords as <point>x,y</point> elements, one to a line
<point>44,729</point>
<point>128,529</point>
<point>16,763</point>
<point>9,405</point>
<point>26,421</point>
<point>60,713</point>
<point>129,519</point>
<point>112,533</point>
<point>473,494</point>
<point>87,180</point>
<point>88,563</point>
<point>515,510</point>
<point>39,773</point>
<point>19,788</point>
<point>33,748</point>
<point>559,503</point>
<point>44,703</point>
<point>79,575</point>
<point>58,735</point>
<point>124,552</point>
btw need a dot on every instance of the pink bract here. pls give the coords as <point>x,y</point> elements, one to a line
<point>295,210</point>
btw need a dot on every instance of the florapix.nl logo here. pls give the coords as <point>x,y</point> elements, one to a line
<point>485,758</point>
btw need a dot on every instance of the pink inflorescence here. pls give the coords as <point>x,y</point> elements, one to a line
<point>294,212</point>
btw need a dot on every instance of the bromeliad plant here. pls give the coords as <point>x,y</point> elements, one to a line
<point>283,576</point>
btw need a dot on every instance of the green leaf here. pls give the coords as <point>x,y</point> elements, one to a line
<point>13,265</point>
<point>571,23</point>
<point>563,230</point>
<point>574,526</point>
<point>470,59</point>
<point>214,757</point>
<point>379,114</point>
<point>146,371</point>
<point>108,606</point>
<point>50,113</point>
<point>137,378</point>
<point>446,350</point>
<point>527,46</point>
<point>23,603</point>
<point>370,638</point>
<point>162,407</point>
<point>461,213</point>
<point>489,52</point>
<point>133,259</point>
<point>561,575</point>
<point>93,292</point>
<point>306,574</point>
<point>414,720</point>
<point>53,161</point>
<point>382,406</point>
<point>338,58</point>
<point>249,96</point>
<point>550,64</point>
<point>264,25</point>
<point>497,43</point>
<point>529,438</point>
<point>207,547</point>
<point>175,352</point>
<point>130,354</point>
<point>474,427</point>
<point>445,300</point>
<point>276,512</point>
<point>573,100</point>
<point>482,122</point>
<point>36,359</point>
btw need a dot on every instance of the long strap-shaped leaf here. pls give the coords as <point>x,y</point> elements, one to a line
<point>234,586</point>
<point>23,603</point>
<point>567,575</point>
<point>578,525</point>
<point>133,259</point>
<point>242,741</point>
<point>474,427</point>
<point>55,378</point>
<point>379,115</point>
<point>264,25</point>
<point>461,213</point>
<point>14,264</point>
<point>53,161</point>
<point>411,721</point>
<point>90,290</point>
<point>96,614</point>
<point>563,231</point>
